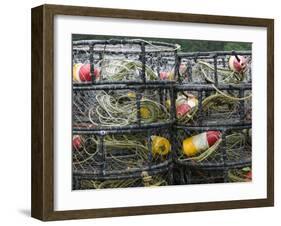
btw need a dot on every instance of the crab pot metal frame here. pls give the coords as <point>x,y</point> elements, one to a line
<point>158,55</point>
<point>98,163</point>
<point>96,144</point>
<point>186,175</point>
<point>214,168</point>
<point>217,61</point>
<point>239,116</point>
<point>140,178</point>
<point>163,93</point>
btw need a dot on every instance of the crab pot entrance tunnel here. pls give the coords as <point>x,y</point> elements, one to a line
<point>123,61</point>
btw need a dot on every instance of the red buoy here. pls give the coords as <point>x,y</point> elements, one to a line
<point>85,72</point>
<point>77,142</point>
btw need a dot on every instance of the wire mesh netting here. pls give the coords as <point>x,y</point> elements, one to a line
<point>193,175</point>
<point>186,175</point>
<point>121,152</point>
<point>103,109</point>
<point>213,148</point>
<point>215,67</point>
<point>121,61</point>
<point>144,179</point>
<point>208,106</point>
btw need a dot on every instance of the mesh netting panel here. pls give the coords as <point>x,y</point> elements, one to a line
<point>186,175</point>
<point>125,62</point>
<point>211,108</point>
<point>145,179</point>
<point>229,148</point>
<point>121,152</point>
<point>120,108</point>
<point>201,69</point>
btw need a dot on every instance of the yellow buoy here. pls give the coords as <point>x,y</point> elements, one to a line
<point>75,72</point>
<point>160,145</point>
<point>145,113</point>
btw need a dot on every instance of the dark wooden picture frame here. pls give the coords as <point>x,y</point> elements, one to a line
<point>43,109</point>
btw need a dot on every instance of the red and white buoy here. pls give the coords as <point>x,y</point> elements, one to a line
<point>185,103</point>
<point>201,142</point>
<point>81,72</point>
<point>166,75</point>
<point>77,142</point>
<point>237,63</point>
<point>183,69</point>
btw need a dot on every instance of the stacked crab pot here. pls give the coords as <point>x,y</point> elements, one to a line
<point>122,113</point>
<point>212,141</point>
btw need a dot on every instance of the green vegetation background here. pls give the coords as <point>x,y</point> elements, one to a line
<point>186,45</point>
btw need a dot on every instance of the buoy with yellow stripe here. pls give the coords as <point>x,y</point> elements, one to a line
<point>201,142</point>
